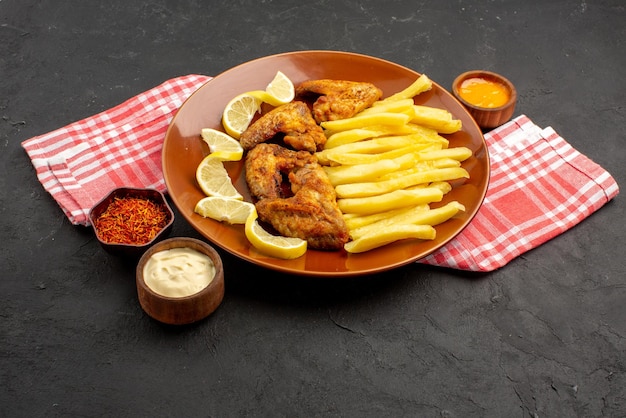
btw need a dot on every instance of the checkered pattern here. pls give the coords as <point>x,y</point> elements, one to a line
<point>540,186</point>
<point>81,163</point>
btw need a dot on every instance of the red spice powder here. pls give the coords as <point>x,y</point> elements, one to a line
<point>130,220</point>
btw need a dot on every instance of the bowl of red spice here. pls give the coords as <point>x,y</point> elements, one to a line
<point>489,97</point>
<point>128,220</point>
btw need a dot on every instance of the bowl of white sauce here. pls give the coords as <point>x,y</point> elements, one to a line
<point>180,281</point>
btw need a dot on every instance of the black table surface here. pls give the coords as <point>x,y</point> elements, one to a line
<point>543,336</point>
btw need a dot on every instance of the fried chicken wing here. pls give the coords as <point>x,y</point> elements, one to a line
<point>294,120</point>
<point>295,196</point>
<point>268,167</point>
<point>338,99</point>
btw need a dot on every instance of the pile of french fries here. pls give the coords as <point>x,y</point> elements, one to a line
<point>388,164</point>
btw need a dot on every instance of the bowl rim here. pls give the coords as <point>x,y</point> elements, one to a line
<point>490,75</point>
<point>185,242</point>
<point>129,192</point>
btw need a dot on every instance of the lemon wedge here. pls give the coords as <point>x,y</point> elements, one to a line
<point>278,92</point>
<point>222,146</point>
<point>273,245</point>
<point>281,88</point>
<point>224,209</point>
<point>239,112</point>
<point>214,180</point>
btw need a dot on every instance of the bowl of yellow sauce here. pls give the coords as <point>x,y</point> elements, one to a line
<point>489,97</point>
<point>180,281</point>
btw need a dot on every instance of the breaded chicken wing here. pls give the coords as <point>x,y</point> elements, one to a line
<point>295,196</point>
<point>267,169</point>
<point>338,99</point>
<point>294,120</point>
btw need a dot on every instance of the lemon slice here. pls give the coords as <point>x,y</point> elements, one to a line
<point>278,92</point>
<point>238,114</point>
<point>222,146</point>
<point>224,209</point>
<point>214,180</point>
<point>273,245</point>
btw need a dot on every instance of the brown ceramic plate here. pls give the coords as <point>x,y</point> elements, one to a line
<point>183,150</point>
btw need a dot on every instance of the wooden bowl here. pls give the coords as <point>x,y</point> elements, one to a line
<point>487,118</point>
<point>187,309</point>
<point>133,251</point>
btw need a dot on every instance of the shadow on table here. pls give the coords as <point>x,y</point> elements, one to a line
<point>280,288</point>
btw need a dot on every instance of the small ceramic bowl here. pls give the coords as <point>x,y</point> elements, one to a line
<point>186,309</point>
<point>493,117</point>
<point>131,250</point>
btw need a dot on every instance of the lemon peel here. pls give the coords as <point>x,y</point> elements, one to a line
<point>278,92</point>
<point>272,245</point>
<point>224,209</point>
<point>214,180</point>
<point>221,145</point>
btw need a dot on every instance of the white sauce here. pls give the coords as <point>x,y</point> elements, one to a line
<point>178,272</point>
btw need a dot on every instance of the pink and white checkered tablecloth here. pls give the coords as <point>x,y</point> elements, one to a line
<point>82,162</point>
<point>540,185</point>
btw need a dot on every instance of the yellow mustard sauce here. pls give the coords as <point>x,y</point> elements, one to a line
<point>178,272</point>
<point>483,93</point>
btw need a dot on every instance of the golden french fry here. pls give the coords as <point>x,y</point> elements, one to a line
<point>419,167</point>
<point>389,201</point>
<point>356,122</point>
<point>440,120</point>
<point>399,106</point>
<point>444,186</point>
<point>373,188</point>
<point>427,134</point>
<point>445,163</point>
<point>354,220</point>
<point>344,174</point>
<point>353,135</point>
<point>350,158</point>
<point>392,234</point>
<point>368,146</point>
<point>420,85</point>
<point>336,139</point>
<point>422,166</point>
<point>431,217</point>
<point>455,153</point>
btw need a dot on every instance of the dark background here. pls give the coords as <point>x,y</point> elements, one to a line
<point>544,336</point>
